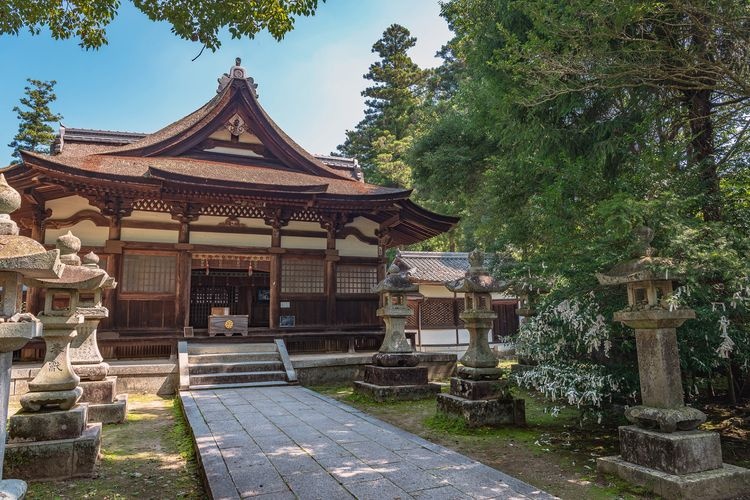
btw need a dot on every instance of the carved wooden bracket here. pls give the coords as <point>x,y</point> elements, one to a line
<point>92,215</point>
<point>275,217</point>
<point>185,212</point>
<point>112,205</point>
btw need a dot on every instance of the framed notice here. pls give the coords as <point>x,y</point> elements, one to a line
<point>264,294</point>
<point>286,321</point>
<point>285,304</point>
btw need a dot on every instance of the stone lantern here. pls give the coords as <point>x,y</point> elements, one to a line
<point>663,450</point>
<point>394,373</point>
<point>51,439</point>
<point>20,257</point>
<point>477,393</point>
<point>99,389</point>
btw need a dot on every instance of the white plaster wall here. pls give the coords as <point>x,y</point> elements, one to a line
<point>298,225</point>
<point>62,208</point>
<point>441,292</point>
<point>230,239</point>
<point>300,242</point>
<point>148,235</point>
<point>365,225</point>
<point>145,216</point>
<point>90,234</point>
<point>352,247</point>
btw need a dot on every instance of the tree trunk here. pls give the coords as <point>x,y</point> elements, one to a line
<point>702,151</point>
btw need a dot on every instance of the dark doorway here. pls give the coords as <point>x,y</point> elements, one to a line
<point>242,294</point>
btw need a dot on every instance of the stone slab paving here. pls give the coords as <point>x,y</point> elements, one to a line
<point>290,442</point>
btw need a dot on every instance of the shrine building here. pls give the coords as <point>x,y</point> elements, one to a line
<point>220,209</point>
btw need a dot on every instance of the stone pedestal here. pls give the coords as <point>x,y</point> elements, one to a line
<point>52,445</point>
<point>9,488</point>
<point>400,383</point>
<point>484,412</point>
<point>105,405</point>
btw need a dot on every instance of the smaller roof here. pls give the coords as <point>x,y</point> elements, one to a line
<point>435,267</point>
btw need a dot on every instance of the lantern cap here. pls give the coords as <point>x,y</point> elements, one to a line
<point>477,279</point>
<point>646,266</point>
<point>396,281</point>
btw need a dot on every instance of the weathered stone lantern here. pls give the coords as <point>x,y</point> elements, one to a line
<point>394,373</point>
<point>662,450</point>
<point>20,257</point>
<point>477,393</point>
<point>51,439</point>
<point>99,390</point>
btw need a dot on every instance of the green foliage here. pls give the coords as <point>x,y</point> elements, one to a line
<point>565,126</point>
<point>383,138</point>
<point>196,20</point>
<point>34,131</point>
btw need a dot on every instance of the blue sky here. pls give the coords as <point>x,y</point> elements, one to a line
<point>309,83</point>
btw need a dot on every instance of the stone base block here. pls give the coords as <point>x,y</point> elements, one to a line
<point>396,392</point>
<point>484,412</point>
<point>99,391</point>
<point>12,489</point>
<point>96,371</point>
<point>381,375</point>
<point>65,399</point>
<point>55,460</point>
<point>677,453</point>
<point>110,413</point>
<point>481,373</point>
<point>395,359</point>
<point>47,426</point>
<point>726,482</point>
<point>478,389</point>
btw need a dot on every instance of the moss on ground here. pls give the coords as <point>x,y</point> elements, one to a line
<point>555,453</point>
<point>150,456</point>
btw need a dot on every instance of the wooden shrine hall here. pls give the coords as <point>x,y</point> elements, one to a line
<point>220,212</point>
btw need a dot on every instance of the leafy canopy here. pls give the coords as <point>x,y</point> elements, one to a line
<point>196,20</point>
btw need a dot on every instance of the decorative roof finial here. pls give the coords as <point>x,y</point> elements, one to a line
<point>236,72</point>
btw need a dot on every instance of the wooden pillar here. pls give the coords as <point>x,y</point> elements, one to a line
<point>331,258</point>
<point>274,306</point>
<point>184,270</point>
<point>113,249</point>
<point>37,234</point>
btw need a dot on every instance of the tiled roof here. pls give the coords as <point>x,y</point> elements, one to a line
<point>436,267</point>
<point>139,168</point>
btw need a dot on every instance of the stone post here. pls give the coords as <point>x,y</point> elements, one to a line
<point>663,451</point>
<point>477,394</point>
<point>99,390</point>
<point>51,439</point>
<point>19,257</point>
<point>394,373</point>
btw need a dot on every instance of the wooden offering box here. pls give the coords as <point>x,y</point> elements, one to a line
<point>227,324</point>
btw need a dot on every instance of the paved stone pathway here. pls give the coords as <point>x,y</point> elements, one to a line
<point>290,442</point>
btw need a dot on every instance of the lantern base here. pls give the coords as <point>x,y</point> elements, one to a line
<point>471,373</point>
<point>395,359</point>
<point>483,412</point>
<point>683,418</point>
<point>396,392</point>
<point>96,371</point>
<point>726,482</point>
<point>64,400</point>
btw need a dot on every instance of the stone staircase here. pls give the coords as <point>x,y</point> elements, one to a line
<point>218,366</point>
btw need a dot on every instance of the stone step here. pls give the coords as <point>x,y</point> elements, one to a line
<point>239,377</point>
<point>241,366</point>
<point>231,348</point>
<point>238,385</point>
<point>239,357</point>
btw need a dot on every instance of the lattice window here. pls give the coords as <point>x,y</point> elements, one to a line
<point>302,276</point>
<point>411,321</point>
<point>151,206</point>
<point>438,313</point>
<point>149,273</point>
<point>355,279</point>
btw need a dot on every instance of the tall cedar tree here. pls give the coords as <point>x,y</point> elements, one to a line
<point>382,139</point>
<point>34,131</point>
<point>576,121</point>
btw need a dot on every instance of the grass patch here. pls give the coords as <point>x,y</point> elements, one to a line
<point>181,435</point>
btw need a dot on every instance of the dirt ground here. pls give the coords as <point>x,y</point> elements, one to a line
<point>556,454</point>
<point>148,457</point>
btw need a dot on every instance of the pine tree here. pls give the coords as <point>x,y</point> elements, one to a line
<point>381,140</point>
<point>34,131</point>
